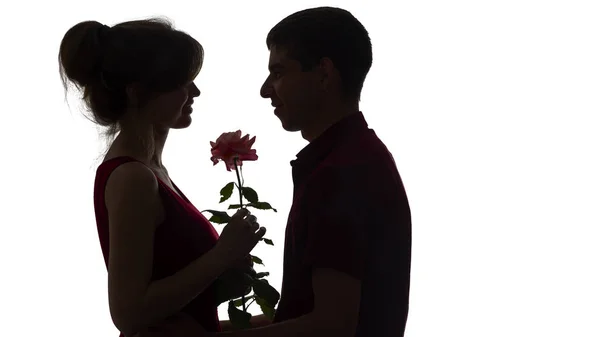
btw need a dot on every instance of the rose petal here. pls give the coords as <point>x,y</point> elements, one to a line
<point>230,145</point>
<point>251,141</point>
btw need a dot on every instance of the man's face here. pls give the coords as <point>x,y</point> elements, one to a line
<point>296,95</point>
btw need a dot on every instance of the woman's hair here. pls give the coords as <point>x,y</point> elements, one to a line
<point>103,61</point>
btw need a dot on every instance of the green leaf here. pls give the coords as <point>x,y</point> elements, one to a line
<point>238,303</point>
<point>262,289</point>
<point>218,216</point>
<point>268,241</point>
<point>261,275</point>
<point>257,260</point>
<point>247,278</point>
<point>232,284</point>
<point>266,308</point>
<point>261,205</point>
<point>238,318</point>
<point>250,194</point>
<point>227,191</point>
<point>236,206</point>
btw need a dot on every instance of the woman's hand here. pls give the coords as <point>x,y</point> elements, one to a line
<point>245,265</point>
<point>239,237</point>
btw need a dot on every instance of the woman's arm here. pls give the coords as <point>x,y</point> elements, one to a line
<point>135,210</point>
<point>260,321</point>
<point>256,322</point>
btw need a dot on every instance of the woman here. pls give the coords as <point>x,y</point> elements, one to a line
<point>162,254</point>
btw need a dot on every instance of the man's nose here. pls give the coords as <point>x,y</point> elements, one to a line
<point>266,89</point>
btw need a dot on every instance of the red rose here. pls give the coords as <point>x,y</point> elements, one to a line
<point>232,145</point>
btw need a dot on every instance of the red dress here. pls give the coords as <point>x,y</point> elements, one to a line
<point>184,236</point>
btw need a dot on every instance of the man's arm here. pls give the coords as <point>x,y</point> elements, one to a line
<point>335,313</point>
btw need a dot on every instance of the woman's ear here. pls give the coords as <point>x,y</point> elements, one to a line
<point>133,92</point>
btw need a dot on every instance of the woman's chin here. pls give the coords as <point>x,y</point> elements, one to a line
<point>183,122</point>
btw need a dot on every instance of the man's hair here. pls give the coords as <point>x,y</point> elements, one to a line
<point>315,33</point>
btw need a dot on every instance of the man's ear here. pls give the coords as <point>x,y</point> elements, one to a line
<point>326,69</point>
<point>330,76</point>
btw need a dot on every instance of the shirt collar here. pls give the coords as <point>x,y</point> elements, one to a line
<point>316,150</point>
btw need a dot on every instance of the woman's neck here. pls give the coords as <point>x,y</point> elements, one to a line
<point>147,149</point>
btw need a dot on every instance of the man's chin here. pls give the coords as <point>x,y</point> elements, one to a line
<point>289,127</point>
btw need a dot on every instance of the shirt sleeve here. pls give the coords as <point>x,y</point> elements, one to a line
<point>338,204</point>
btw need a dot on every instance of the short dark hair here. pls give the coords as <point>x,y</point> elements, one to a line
<point>102,61</point>
<point>311,34</point>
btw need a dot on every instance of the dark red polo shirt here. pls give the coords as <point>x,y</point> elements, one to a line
<point>349,213</point>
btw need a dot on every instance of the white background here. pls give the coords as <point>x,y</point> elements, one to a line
<point>489,107</point>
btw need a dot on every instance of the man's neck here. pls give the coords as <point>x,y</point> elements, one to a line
<point>327,120</point>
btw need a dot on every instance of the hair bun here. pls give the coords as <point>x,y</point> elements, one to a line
<point>81,52</point>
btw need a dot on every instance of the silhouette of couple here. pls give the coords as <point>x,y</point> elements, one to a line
<point>347,249</point>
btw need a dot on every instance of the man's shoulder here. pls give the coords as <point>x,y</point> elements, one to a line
<point>365,145</point>
<point>365,154</point>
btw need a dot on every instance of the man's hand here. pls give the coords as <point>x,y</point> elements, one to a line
<point>335,313</point>
<point>180,325</point>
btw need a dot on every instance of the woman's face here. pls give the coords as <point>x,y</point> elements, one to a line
<point>173,109</point>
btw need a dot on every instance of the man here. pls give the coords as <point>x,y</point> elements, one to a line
<point>348,239</point>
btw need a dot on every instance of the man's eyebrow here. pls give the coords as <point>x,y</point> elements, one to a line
<point>275,66</point>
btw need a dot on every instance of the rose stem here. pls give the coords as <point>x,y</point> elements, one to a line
<point>237,173</point>
<point>242,174</point>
